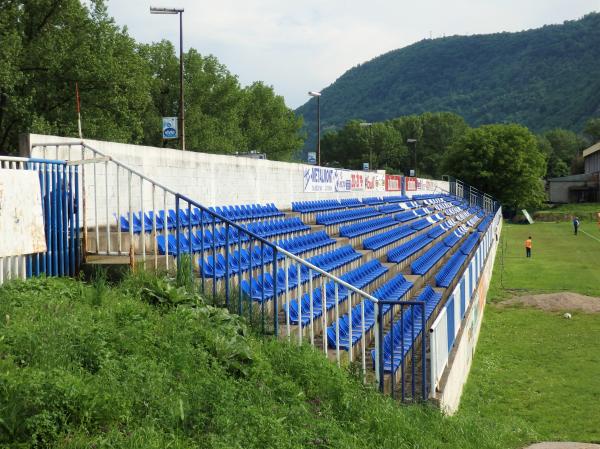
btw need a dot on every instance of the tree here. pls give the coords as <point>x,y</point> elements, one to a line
<point>269,126</point>
<point>48,46</point>
<point>592,129</point>
<point>355,144</point>
<point>502,160</point>
<point>565,146</point>
<point>440,131</point>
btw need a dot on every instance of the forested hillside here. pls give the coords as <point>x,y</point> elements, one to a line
<point>542,78</point>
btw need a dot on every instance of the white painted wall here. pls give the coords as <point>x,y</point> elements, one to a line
<point>210,179</point>
<point>456,373</point>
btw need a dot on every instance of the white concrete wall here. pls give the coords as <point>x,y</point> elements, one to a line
<point>461,358</point>
<point>210,179</point>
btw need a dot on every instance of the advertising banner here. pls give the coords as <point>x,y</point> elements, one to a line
<point>358,181</point>
<point>343,180</point>
<point>169,128</point>
<point>411,184</point>
<point>393,183</point>
<point>319,179</point>
<point>380,182</point>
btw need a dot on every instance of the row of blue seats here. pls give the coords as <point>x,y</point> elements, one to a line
<point>424,263</point>
<point>358,229</point>
<point>258,289</point>
<point>373,201</point>
<point>322,205</point>
<point>308,242</point>
<point>272,228</point>
<point>346,215</point>
<point>393,290</point>
<point>335,259</point>
<point>195,217</point>
<point>239,261</point>
<point>247,212</point>
<point>396,199</point>
<point>386,238</point>
<point>404,251</point>
<point>485,223</point>
<point>399,340</point>
<point>359,278</point>
<point>391,208</point>
<point>357,325</point>
<point>411,214</point>
<point>220,237</point>
<point>448,272</point>
<point>469,243</point>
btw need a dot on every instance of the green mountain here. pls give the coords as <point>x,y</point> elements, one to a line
<point>541,78</point>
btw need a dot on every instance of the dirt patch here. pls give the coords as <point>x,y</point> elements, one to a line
<point>557,302</point>
<point>564,446</point>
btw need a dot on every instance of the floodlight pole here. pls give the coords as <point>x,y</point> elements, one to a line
<point>414,142</point>
<point>318,96</point>
<point>179,11</point>
<point>370,126</point>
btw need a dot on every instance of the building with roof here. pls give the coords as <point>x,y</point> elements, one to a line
<point>578,188</point>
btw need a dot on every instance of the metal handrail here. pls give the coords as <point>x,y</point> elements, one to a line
<point>279,249</point>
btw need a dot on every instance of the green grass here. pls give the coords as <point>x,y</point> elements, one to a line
<point>532,368</point>
<point>560,261</point>
<point>586,212</point>
<point>575,208</point>
<point>148,365</point>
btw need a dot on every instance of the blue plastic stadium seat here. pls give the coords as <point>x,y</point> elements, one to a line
<point>404,251</point>
<point>358,229</point>
<point>387,238</point>
<point>424,263</point>
<point>346,215</point>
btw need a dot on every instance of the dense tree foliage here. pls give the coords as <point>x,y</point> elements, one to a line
<point>126,87</point>
<point>592,129</point>
<point>503,160</point>
<point>543,78</point>
<point>561,147</point>
<point>385,143</point>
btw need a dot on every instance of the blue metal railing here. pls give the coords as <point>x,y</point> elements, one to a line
<point>59,184</point>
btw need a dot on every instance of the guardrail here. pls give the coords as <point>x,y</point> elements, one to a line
<point>111,191</point>
<point>59,183</point>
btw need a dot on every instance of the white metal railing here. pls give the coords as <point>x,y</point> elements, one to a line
<point>111,191</point>
<point>110,188</point>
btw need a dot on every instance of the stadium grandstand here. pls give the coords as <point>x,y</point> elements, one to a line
<point>364,279</point>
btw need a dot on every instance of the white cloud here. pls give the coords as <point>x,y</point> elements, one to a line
<point>300,46</point>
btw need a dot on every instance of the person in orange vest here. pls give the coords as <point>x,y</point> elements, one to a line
<point>528,247</point>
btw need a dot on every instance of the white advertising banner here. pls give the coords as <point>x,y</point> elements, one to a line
<point>21,216</point>
<point>319,179</point>
<point>343,180</point>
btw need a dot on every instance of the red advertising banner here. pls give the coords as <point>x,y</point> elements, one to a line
<point>358,181</point>
<point>393,183</point>
<point>411,184</point>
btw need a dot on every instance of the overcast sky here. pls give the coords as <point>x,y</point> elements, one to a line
<point>297,46</point>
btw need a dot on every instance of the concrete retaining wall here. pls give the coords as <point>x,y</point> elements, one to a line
<point>457,372</point>
<point>214,179</point>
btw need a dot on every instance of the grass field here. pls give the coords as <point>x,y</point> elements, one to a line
<point>534,369</point>
<point>560,261</point>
